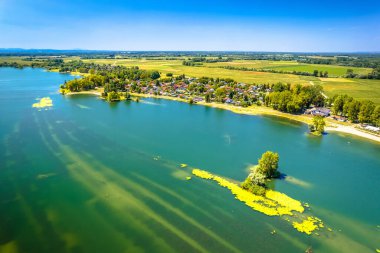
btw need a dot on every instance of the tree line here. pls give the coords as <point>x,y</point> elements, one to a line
<point>294,99</point>
<point>356,111</point>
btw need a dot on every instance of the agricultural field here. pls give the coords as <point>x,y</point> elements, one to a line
<point>358,88</point>
<point>333,70</point>
<point>176,67</point>
<point>16,59</point>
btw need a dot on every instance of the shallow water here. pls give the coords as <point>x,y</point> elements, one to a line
<point>88,176</point>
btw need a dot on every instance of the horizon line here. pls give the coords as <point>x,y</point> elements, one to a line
<point>216,51</point>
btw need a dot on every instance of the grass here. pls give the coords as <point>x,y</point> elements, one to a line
<point>16,59</point>
<point>176,67</point>
<point>358,88</point>
<point>333,70</point>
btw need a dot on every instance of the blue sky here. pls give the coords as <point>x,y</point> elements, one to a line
<point>312,26</point>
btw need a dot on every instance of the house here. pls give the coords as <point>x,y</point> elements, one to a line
<point>229,101</point>
<point>197,99</point>
<point>318,111</point>
<point>339,118</point>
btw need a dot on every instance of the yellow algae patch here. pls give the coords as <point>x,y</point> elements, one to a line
<point>285,200</point>
<point>272,204</point>
<point>43,102</point>
<point>308,225</point>
<point>183,165</point>
<point>276,204</point>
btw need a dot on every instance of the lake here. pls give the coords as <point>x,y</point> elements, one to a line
<point>89,176</point>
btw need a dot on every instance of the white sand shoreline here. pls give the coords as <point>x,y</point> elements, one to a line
<point>353,131</point>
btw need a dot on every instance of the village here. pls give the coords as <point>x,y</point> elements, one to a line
<point>225,91</point>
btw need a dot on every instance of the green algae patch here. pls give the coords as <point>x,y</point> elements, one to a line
<point>43,102</point>
<point>272,204</point>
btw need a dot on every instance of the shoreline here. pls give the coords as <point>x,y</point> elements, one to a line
<point>85,92</point>
<point>331,126</point>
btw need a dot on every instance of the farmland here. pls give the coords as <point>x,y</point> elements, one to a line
<point>176,67</point>
<point>357,88</point>
<point>289,66</point>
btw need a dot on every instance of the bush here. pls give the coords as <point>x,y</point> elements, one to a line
<point>258,190</point>
<point>254,188</point>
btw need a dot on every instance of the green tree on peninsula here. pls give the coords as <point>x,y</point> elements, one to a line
<point>266,169</point>
<point>268,164</point>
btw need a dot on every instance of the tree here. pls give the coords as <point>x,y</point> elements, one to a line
<point>353,109</point>
<point>266,169</point>
<point>350,73</point>
<point>315,73</point>
<point>155,75</point>
<point>268,165</point>
<point>208,98</point>
<point>113,96</point>
<point>220,93</point>
<point>338,104</point>
<point>318,126</point>
<point>366,109</point>
<point>375,118</point>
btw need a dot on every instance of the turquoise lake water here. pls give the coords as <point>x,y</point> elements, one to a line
<point>89,176</point>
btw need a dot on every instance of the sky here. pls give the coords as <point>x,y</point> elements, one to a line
<point>192,25</point>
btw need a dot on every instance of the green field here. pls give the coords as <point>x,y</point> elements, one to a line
<point>333,70</point>
<point>15,59</point>
<point>357,88</point>
<point>176,67</point>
